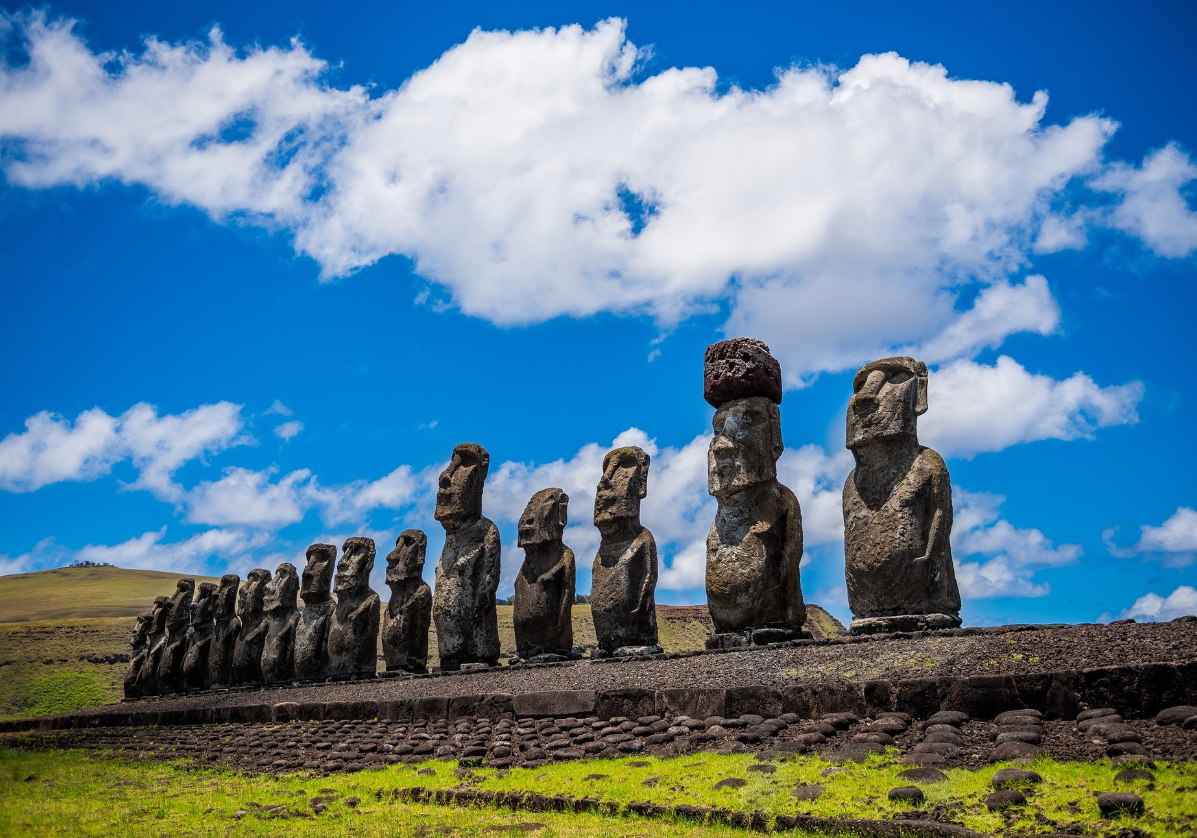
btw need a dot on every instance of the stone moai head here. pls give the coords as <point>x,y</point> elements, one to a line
<point>623,485</point>
<point>459,493</point>
<point>318,573</point>
<point>888,397</point>
<point>179,609</point>
<point>282,590</point>
<point>141,631</point>
<point>226,596</point>
<point>353,571</point>
<point>742,381</point>
<point>544,518</point>
<point>406,561</point>
<point>204,606</point>
<point>253,593</point>
<point>159,614</point>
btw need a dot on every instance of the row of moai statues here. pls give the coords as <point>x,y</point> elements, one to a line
<point>897,509</point>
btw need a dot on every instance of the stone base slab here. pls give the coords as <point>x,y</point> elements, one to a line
<point>903,622</point>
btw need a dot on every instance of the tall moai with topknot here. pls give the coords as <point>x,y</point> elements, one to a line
<point>247,656</point>
<point>174,643</point>
<point>467,575</point>
<point>897,507</point>
<point>353,627</point>
<point>199,639</point>
<point>624,578</point>
<point>754,547</point>
<point>545,584</point>
<point>226,630</point>
<point>278,651</point>
<point>408,614</point>
<point>311,634</point>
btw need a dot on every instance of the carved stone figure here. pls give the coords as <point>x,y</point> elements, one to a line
<point>247,657</point>
<point>353,628</point>
<point>227,630</point>
<point>754,547</point>
<point>140,643</point>
<point>311,635</point>
<point>147,675</point>
<point>174,644</point>
<point>409,612</point>
<point>897,507</point>
<point>199,639</point>
<point>467,575</point>
<point>624,580</point>
<point>278,652</point>
<point>544,586</point>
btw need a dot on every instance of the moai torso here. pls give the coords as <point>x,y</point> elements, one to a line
<point>139,652</point>
<point>467,575</point>
<point>897,507</point>
<point>754,547</point>
<point>278,651</point>
<point>624,577</point>
<point>225,631</point>
<point>353,627</point>
<point>247,656</point>
<point>408,615</point>
<point>544,586</point>
<point>311,633</point>
<point>199,639</point>
<point>174,644</point>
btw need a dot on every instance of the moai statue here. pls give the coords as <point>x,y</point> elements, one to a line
<point>147,675</point>
<point>897,507</point>
<point>353,628</point>
<point>140,650</point>
<point>247,657</point>
<point>463,604</point>
<point>199,639</point>
<point>174,649</point>
<point>311,635</point>
<point>227,630</point>
<point>278,652</point>
<point>544,587</point>
<point>754,546</point>
<point>409,613</point>
<point>624,580</point>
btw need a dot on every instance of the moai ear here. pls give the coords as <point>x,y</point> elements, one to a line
<point>775,430</point>
<point>644,460</point>
<point>920,404</point>
<point>562,509</point>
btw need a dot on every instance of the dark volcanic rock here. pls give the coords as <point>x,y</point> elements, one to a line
<point>740,368</point>
<point>907,794</point>
<point>1004,798</point>
<point>1120,803</point>
<point>1175,715</point>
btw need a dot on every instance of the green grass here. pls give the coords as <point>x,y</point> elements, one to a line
<point>73,593</point>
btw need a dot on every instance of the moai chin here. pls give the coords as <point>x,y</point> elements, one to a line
<point>147,675</point>
<point>624,580</point>
<point>199,639</point>
<point>897,507</point>
<point>139,644</point>
<point>247,656</point>
<point>353,627</point>
<point>544,586</point>
<point>409,612</point>
<point>754,547</point>
<point>311,635</point>
<point>227,629</point>
<point>467,575</point>
<point>278,651</point>
<point>174,649</point>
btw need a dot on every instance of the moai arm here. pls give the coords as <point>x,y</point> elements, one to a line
<point>488,580</point>
<point>646,551</point>
<point>792,560</point>
<point>939,495</point>
<point>565,567</point>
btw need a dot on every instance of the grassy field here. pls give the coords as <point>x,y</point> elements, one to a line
<point>73,593</point>
<point>69,793</point>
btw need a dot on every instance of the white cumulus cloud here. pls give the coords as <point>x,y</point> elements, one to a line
<point>1152,205</point>
<point>1153,607</point>
<point>1174,541</point>
<point>288,430</point>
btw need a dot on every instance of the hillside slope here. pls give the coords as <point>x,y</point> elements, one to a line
<point>79,592</point>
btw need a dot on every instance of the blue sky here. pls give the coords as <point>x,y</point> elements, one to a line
<point>264,266</point>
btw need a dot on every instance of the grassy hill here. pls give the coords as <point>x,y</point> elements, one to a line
<point>64,634</point>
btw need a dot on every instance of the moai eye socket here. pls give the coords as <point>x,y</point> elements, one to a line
<point>898,377</point>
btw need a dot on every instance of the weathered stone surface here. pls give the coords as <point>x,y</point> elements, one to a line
<point>353,628</point>
<point>227,630</point>
<point>311,635</point>
<point>278,652</point>
<point>467,575</point>
<point>174,643</point>
<point>247,657</point>
<point>1175,715</point>
<point>740,368</point>
<point>624,579</point>
<point>897,507</point>
<point>139,650</point>
<point>409,612</point>
<point>754,546</point>
<point>199,639</point>
<point>544,586</point>
<point>1116,803</point>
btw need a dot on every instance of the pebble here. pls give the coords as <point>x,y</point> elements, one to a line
<point>1004,798</point>
<point>907,794</point>
<point>1120,803</point>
